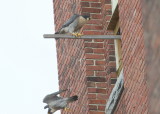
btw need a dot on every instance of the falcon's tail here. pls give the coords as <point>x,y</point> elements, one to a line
<point>47,106</point>
<point>73,98</point>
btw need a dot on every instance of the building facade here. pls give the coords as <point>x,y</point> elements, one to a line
<point>90,68</point>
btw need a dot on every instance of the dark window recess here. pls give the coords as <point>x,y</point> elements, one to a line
<point>112,58</point>
<point>119,32</point>
<point>113,80</point>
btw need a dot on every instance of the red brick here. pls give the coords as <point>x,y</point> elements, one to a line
<point>91,10</point>
<point>95,4</point>
<point>97,101</point>
<point>100,62</point>
<point>95,21</point>
<point>89,62</point>
<point>95,68</point>
<point>108,6</point>
<point>92,107</point>
<point>91,84</point>
<point>112,63</point>
<point>113,75</point>
<point>102,108</point>
<point>94,56</point>
<point>110,41</point>
<point>99,40</point>
<point>94,45</point>
<point>91,96</point>
<point>99,51</point>
<point>111,52</point>
<point>101,73</point>
<point>88,50</point>
<point>108,12</point>
<point>89,73</point>
<point>111,47</point>
<point>91,0</point>
<point>107,1</point>
<point>96,112</point>
<point>85,4</point>
<point>92,32</point>
<point>108,17</point>
<point>92,27</point>
<point>88,40</point>
<point>101,85</point>
<point>96,16</point>
<point>96,90</point>
<point>101,96</point>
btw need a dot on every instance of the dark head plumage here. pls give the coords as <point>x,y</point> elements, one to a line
<point>86,17</point>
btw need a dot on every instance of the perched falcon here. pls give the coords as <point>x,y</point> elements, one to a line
<point>55,102</point>
<point>73,25</point>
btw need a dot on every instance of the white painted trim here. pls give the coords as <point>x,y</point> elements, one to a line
<point>114,5</point>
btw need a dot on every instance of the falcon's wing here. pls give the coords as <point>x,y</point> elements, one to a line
<point>67,23</point>
<point>52,96</point>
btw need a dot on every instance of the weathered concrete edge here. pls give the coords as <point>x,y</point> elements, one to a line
<point>115,95</point>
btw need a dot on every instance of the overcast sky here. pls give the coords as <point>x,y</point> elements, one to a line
<point>28,68</point>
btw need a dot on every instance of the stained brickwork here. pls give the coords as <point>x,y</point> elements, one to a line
<point>152,43</point>
<point>134,99</point>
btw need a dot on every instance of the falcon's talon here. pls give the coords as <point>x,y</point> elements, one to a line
<point>74,34</point>
<point>77,35</point>
<point>66,109</point>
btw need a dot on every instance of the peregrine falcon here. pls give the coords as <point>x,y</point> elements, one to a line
<point>73,25</point>
<point>55,102</point>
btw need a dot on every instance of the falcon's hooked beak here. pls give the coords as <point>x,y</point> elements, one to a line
<point>88,18</point>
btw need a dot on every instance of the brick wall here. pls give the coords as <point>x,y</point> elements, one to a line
<point>71,58</point>
<point>134,99</point>
<point>152,43</point>
<point>85,67</point>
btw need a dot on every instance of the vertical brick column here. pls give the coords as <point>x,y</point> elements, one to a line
<point>110,65</point>
<point>96,75</point>
<point>95,53</point>
<point>106,15</point>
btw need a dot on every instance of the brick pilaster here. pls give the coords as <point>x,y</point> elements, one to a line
<point>95,53</point>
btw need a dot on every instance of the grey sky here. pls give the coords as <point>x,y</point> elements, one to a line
<point>28,68</point>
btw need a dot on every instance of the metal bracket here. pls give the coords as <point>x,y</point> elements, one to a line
<point>66,36</point>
